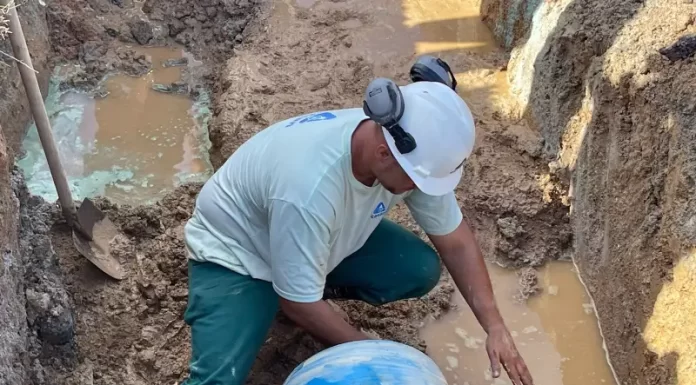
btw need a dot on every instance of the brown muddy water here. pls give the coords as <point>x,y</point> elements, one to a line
<point>556,332</point>
<point>133,145</point>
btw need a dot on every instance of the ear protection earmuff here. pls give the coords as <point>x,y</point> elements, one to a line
<point>384,104</point>
<point>433,69</point>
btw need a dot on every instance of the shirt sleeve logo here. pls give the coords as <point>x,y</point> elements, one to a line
<point>379,210</point>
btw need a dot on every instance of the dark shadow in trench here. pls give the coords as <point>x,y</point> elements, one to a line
<point>625,199</point>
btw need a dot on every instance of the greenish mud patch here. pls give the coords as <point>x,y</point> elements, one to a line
<point>133,145</point>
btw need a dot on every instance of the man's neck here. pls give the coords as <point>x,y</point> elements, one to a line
<point>360,157</point>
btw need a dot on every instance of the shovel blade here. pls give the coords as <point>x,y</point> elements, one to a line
<point>101,231</point>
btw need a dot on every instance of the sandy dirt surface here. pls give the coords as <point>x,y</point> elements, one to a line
<point>610,87</point>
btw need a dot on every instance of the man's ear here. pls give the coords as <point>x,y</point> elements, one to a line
<point>383,152</point>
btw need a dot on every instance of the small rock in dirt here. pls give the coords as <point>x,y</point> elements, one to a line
<point>184,38</point>
<point>58,327</point>
<point>123,3</point>
<point>533,148</point>
<point>193,23</point>
<point>113,32</point>
<point>517,255</point>
<point>179,294</point>
<point>146,289</point>
<point>101,93</point>
<point>40,302</point>
<point>317,83</point>
<point>201,17</point>
<point>211,11</point>
<point>510,227</point>
<point>176,26</point>
<point>233,27</point>
<point>132,63</point>
<point>92,51</point>
<point>684,48</point>
<point>503,246</point>
<point>175,62</point>
<point>149,333</point>
<point>147,356</point>
<point>176,88</point>
<point>125,35</point>
<point>528,283</point>
<point>141,31</point>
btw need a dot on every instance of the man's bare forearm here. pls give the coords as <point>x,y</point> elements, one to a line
<point>466,265</point>
<point>322,321</point>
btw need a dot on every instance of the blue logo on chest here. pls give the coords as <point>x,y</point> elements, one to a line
<point>379,210</point>
<point>316,117</point>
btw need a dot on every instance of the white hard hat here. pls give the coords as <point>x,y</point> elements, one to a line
<point>442,126</point>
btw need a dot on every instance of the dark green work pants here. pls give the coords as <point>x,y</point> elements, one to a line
<point>230,314</point>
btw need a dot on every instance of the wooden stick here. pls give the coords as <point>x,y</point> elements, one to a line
<point>21,51</point>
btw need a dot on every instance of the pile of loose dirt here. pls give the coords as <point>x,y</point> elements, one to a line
<point>132,331</point>
<point>97,33</point>
<point>210,28</point>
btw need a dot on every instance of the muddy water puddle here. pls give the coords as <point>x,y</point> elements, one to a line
<point>424,27</point>
<point>556,332</point>
<point>133,145</point>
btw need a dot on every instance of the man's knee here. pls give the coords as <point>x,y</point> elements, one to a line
<point>230,315</point>
<point>425,272</point>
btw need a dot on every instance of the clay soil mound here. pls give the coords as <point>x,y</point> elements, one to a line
<point>132,331</point>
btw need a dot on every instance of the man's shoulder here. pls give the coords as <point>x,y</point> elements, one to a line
<point>327,117</point>
<point>314,164</point>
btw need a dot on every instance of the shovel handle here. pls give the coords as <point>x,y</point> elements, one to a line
<point>21,51</point>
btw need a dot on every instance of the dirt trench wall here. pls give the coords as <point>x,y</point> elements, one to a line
<point>15,113</point>
<point>36,314</point>
<point>13,318</point>
<point>14,110</point>
<point>610,87</point>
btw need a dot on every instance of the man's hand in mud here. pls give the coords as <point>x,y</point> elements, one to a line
<point>502,352</point>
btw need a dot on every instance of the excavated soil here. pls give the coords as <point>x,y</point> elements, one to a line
<point>99,34</point>
<point>133,331</point>
<point>283,61</point>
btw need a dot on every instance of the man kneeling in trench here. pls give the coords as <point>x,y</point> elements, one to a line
<point>296,216</point>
